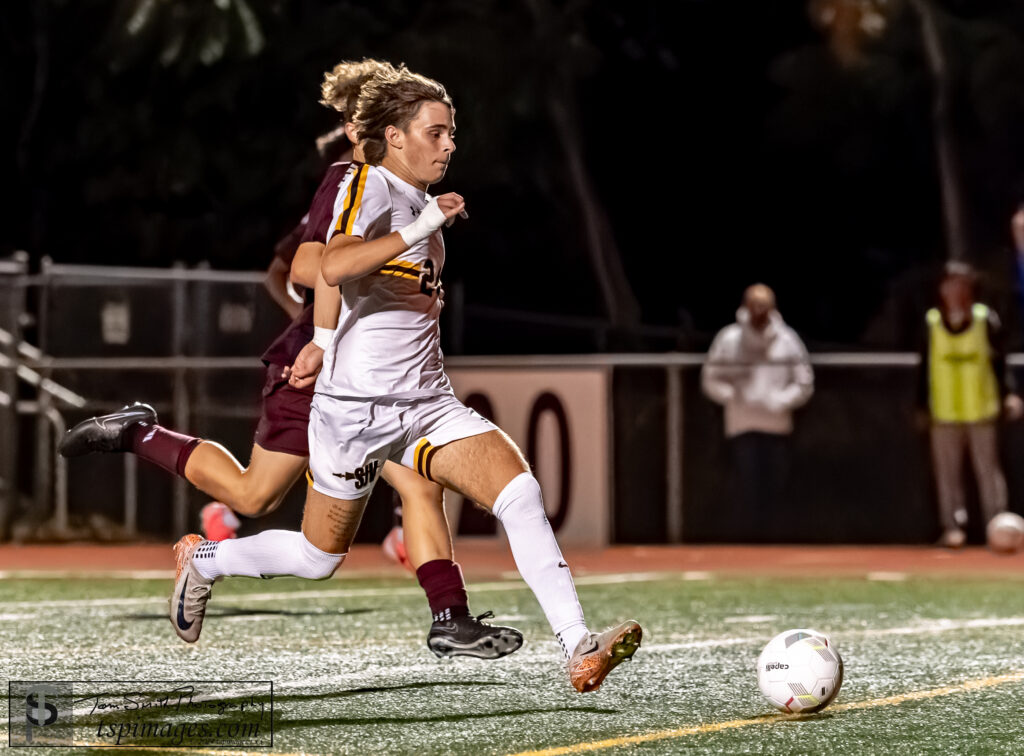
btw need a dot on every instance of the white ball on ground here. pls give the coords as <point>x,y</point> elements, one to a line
<point>1005,533</point>
<point>800,671</point>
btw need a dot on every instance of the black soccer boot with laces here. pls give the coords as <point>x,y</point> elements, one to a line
<point>105,433</point>
<point>468,636</point>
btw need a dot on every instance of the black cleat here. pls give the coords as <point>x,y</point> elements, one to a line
<point>468,636</point>
<point>104,433</point>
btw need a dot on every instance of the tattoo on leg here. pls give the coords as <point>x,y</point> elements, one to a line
<point>343,522</point>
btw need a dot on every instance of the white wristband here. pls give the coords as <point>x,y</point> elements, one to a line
<point>322,337</point>
<point>431,218</point>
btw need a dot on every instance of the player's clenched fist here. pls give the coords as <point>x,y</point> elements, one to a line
<point>440,211</point>
<point>306,368</point>
<point>451,204</point>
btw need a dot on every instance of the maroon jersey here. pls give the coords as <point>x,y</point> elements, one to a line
<point>314,227</point>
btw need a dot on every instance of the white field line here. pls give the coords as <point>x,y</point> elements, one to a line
<point>887,577</point>
<point>930,626</point>
<point>751,618</point>
<point>86,574</point>
<point>942,625</point>
<point>708,643</point>
<point>612,579</point>
<point>925,626</point>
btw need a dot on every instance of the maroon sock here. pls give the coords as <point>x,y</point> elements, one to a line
<point>160,446</point>
<point>446,590</point>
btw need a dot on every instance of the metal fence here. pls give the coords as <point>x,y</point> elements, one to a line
<point>184,340</point>
<point>187,341</point>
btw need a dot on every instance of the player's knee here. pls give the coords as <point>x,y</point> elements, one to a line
<point>520,498</point>
<point>265,502</point>
<point>423,495</point>
<point>317,564</point>
<point>256,498</point>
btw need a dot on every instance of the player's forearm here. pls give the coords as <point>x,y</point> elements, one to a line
<point>276,284</point>
<point>306,264</point>
<point>348,258</point>
<point>326,304</point>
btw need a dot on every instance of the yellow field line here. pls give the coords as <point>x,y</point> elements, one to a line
<point>919,695</point>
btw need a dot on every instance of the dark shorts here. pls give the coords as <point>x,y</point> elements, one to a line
<point>284,423</point>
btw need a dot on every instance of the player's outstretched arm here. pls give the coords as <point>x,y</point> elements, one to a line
<point>348,258</point>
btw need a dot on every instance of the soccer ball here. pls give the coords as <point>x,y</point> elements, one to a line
<point>800,671</point>
<point>1005,533</point>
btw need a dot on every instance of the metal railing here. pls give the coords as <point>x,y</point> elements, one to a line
<point>48,392</point>
<point>673,366</point>
<point>53,291</point>
<point>66,375</point>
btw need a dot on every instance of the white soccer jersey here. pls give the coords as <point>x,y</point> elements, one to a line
<point>387,342</point>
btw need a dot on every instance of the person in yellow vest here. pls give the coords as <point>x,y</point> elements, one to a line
<point>968,387</point>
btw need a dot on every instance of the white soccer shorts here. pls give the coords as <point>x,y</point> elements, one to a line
<point>350,439</point>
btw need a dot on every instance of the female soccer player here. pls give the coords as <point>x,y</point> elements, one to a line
<point>382,395</point>
<point>280,450</point>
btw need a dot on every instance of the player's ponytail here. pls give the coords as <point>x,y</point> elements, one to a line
<point>340,86</point>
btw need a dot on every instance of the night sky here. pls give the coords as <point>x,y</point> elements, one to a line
<point>723,140</point>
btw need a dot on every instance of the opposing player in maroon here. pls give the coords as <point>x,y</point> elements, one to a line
<point>280,450</point>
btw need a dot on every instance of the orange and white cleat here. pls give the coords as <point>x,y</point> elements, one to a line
<point>219,522</point>
<point>597,654</point>
<point>187,605</point>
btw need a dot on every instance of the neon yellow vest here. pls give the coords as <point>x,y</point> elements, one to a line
<point>962,381</point>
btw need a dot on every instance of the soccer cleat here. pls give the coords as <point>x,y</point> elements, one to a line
<point>187,604</point>
<point>597,654</point>
<point>394,549</point>
<point>468,636</point>
<point>219,523</point>
<point>104,433</point>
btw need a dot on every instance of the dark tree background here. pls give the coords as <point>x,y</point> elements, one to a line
<point>635,162</point>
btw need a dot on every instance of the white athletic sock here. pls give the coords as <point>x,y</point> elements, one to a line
<point>520,508</point>
<point>268,554</point>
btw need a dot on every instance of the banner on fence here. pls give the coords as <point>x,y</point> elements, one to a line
<point>561,419</point>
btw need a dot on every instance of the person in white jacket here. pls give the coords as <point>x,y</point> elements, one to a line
<point>758,370</point>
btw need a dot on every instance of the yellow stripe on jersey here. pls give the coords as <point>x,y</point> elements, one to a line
<point>351,207</point>
<point>309,475</point>
<point>401,269</point>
